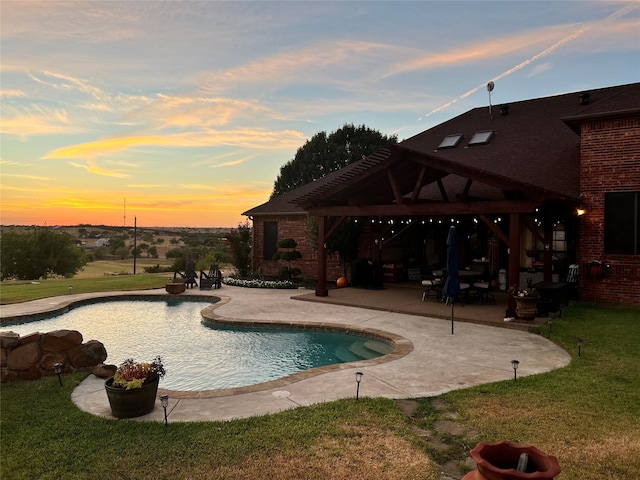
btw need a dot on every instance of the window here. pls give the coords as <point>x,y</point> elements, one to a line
<point>622,223</point>
<point>481,138</point>
<point>451,141</point>
<point>270,239</point>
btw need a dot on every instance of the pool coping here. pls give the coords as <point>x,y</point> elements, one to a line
<point>401,346</point>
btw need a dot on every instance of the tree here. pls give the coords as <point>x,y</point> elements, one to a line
<point>39,253</point>
<point>289,255</point>
<point>324,154</point>
<point>239,241</point>
<point>116,244</point>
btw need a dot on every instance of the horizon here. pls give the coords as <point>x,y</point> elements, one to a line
<point>185,114</point>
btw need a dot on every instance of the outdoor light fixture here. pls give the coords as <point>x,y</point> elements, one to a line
<point>550,321</point>
<point>358,380</point>
<point>580,211</point>
<point>57,368</point>
<point>579,342</point>
<point>70,288</point>
<point>515,364</point>
<point>164,399</point>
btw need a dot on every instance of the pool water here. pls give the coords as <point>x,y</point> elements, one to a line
<point>196,355</point>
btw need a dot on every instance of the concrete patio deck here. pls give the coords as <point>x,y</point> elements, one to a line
<point>429,361</point>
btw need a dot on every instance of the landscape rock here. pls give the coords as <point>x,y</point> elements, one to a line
<point>9,339</point>
<point>104,371</point>
<point>30,338</point>
<point>88,354</point>
<point>24,357</point>
<point>32,373</point>
<point>59,340</point>
<point>48,360</point>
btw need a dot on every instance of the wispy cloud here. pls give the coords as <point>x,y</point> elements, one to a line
<point>91,167</point>
<point>12,93</point>
<point>36,120</point>
<point>27,177</point>
<point>322,62</point>
<point>232,163</point>
<point>248,138</point>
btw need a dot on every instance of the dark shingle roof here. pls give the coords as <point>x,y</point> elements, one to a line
<point>535,149</point>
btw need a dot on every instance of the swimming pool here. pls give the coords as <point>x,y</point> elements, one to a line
<point>198,355</point>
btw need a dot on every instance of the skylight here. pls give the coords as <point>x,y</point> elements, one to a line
<point>451,141</point>
<point>481,138</point>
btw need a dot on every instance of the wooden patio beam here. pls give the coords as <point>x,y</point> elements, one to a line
<point>394,187</point>
<point>407,210</point>
<point>495,229</point>
<point>418,186</point>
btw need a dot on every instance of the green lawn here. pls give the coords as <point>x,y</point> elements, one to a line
<point>16,292</point>
<point>587,414</point>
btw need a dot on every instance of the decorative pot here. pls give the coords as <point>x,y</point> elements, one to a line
<point>134,402</point>
<point>175,288</point>
<point>499,461</point>
<point>526,307</point>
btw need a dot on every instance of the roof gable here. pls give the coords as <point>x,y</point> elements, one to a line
<point>533,153</point>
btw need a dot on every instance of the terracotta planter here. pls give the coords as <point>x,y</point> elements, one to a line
<point>131,403</point>
<point>526,307</point>
<point>499,461</point>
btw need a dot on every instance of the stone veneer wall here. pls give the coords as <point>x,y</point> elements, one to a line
<point>32,356</point>
<point>610,155</point>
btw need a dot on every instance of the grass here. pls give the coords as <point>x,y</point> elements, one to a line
<point>99,276</point>
<point>586,414</point>
<point>53,439</point>
<point>16,292</point>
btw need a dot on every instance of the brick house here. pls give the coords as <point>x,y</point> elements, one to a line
<point>512,178</point>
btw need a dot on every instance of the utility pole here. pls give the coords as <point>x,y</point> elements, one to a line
<point>135,244</point>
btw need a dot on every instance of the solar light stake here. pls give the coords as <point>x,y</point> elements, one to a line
<point>358,379</point>
<point>579,342</point>
<point>70,288</point>
<point>514,364</point>
<point>164,399</point>
<point>57,368</point>
<point>550,321</point>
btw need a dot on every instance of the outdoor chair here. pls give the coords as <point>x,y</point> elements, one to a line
<point>484,289</point>
<point>432,283</point>
<point>464,293</point>
<point>211,279</point>
<point>187,276</point>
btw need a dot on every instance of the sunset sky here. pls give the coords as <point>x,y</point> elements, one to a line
<point>185,111</point>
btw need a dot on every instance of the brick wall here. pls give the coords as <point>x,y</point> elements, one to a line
<point>290,226</point>
<point>610,162</point>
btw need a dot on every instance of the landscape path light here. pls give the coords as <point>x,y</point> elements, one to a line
<point>550,321</point>
<point>57,368</point>
<point>358,380</point>
<point>164,400</point>
<point>515,364</point>
<point>579,342</point>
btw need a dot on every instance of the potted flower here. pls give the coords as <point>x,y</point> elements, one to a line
<point>132,389</point>
<point>526,301</point>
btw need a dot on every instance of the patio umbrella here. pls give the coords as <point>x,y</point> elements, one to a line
<point>452,285</point>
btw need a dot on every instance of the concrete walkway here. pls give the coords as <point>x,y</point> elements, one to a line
<point>429,360</point>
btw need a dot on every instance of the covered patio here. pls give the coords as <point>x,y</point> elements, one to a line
<point>487,170</point>
<point>406,297</point>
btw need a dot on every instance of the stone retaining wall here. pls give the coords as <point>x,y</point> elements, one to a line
<point>33,356</point>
